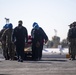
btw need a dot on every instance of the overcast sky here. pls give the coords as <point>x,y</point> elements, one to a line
<point>49,14</point>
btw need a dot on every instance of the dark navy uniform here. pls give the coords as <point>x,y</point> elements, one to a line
<point>38,37</point>
<point>19,36</point>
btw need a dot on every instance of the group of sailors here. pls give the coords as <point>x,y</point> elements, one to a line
<point>13,41</point>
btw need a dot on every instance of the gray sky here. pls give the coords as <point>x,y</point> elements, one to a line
<point>49,14</point>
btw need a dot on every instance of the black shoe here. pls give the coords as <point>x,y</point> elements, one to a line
<point>6,58</point>
<point>21,60</point>
<point>69,58</point>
